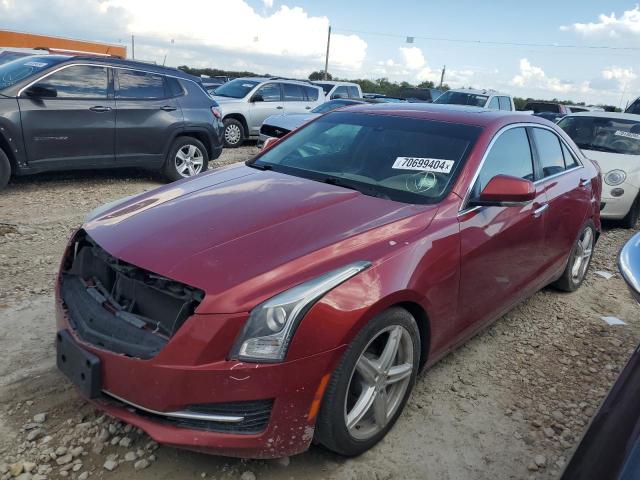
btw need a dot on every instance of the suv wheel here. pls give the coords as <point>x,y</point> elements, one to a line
<point>5,170</point>
<point>368,390</point>
<point>187,157</point>
<point>233,133</point>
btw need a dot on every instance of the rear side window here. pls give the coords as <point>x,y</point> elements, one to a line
<point>175,88</point>
<point>140,85</point>
<point>569,159</point>
<point>549,151</point>
<point>505,103</point>
<point>311,93</point>
<point>494,104</point>
<point>509,155</point>
<point>292,92</point>
<point>79,81</point>
<point>353,92</point>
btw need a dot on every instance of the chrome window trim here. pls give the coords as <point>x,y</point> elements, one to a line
<point>104,65</point>
<point>180,414</point>
<point>463,206</point>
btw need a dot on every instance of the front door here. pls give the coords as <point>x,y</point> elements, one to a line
<point>265,102</point>
<point>68,118</point>
<point>502,248</point>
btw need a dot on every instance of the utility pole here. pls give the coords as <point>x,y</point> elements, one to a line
<point>444,67</point>
<point>326,60</point>
<point>133,47</point>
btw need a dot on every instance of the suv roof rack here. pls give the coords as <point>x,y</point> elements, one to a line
<point>293,80</point>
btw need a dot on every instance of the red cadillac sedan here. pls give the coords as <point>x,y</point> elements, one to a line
<point>253,309</point>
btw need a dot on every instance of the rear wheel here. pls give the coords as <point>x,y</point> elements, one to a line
<point>187,157</point>
<point>579,260</point>
<point>233,133</point>
<point>370,387</point>
<point>630,220</point>
<point>5,170</point>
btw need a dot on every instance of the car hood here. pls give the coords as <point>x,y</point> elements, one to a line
<point>617,161</point>
<point>291,121</point>
<point>242,235</point>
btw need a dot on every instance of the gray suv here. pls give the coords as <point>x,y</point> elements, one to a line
<point>60,112</point>
<point>247,102</point>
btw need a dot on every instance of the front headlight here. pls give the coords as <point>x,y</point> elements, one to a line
<point>615,177</point>
<point>271,325</point>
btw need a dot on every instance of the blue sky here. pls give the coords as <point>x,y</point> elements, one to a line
<point>288,38</point>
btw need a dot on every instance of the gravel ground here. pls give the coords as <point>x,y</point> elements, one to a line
<point>510,404</point>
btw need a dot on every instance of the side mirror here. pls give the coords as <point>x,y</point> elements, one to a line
<point>269,142</point>
<point>41,91</point>
<point>506,191</point>
<point>257,98</point>
<point>629,265</point>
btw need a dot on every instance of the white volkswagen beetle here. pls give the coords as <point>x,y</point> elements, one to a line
<point>612,140</point>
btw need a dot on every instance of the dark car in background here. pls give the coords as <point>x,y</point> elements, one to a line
<point>60,112</point>
<point>420,95</point>
<point>548,110</point>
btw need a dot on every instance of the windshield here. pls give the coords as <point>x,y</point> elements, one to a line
<point>398,158</point>
<point>325,86</point>
<point>332,105</point>
<point>238,88</point>
<point>615,135</point>
<point>462,98</point>
<point>21,68</point>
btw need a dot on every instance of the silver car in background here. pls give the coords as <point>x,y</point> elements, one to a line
<point>246,102</point>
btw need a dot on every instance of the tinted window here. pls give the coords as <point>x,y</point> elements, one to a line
<point>505,103</point>
<point>549,151</point>
<point>462,98</point>
<point>269,92</point>
<point>509,155</point>
<point>18,69</point>
<point>140,85</point>
<point>569,159</point>
<point>634,107</point>
<point>404,159</point>
<point>542,107</point>
<point>604,134</point>
<point>326,87</point>
<point>312,93</point>
<point>353,92</point>
<point>340,92</point>
<point>494,104</point>
<point>175,88</point>
<point>238,88</point>
<point>80,81</point>
<point>292,93</point>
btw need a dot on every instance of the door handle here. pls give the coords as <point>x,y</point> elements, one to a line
<point>279,108</point>
<point>540,210</point>
<point>168,108</point>
<point>585,182</point>
<point>100,108</point>
<point>307,107</point>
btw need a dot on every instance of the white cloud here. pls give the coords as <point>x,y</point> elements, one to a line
<point>412,57</point>
<point>612,26</point>
<point>534,77</point>
<point>623,75</point>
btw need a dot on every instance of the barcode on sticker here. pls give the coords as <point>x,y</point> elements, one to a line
<point>622,133</point>
<point>423,164</point>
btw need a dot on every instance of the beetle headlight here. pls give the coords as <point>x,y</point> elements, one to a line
<point>615,177</point>
<point>271,325</point>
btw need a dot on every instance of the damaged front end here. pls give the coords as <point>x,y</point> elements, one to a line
<point>119,307</point>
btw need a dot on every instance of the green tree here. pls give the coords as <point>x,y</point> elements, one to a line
<point>319,75</point>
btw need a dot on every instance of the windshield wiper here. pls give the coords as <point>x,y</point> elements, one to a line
<point>341,182</point>
<point>259,166</point>
<point>598,148</point>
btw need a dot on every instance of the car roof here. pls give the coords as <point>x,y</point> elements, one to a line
<point>618,115</point>
<point>448,113</point>
<point>476,91</point>
<point>276,79</point>
<point>335,82</point>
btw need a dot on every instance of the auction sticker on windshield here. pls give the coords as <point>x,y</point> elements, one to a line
<point>621,133</point>
<point>423,164</point>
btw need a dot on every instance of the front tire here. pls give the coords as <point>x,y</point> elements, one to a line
<point>233,133</point>
<point>371,385</point>
<point>5,170</point>
<point>631,219</point>
<point>187,157</point>
<point>579,260</point>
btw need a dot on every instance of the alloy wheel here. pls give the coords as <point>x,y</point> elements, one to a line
<point>189,161</point>
<point>378,382</point>
<point>584,250</point>
<point>232,134</point>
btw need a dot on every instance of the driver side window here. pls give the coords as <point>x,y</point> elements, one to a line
<point>269,92</point>
<point>509,155</point>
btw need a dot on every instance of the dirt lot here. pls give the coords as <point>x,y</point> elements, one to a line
<point>512,403</point>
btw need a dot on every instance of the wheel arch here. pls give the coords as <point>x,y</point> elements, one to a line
<point>199,135</point>
<point>6,148</point>
<point>242,119</point>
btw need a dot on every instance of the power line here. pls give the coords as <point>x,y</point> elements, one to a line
<point>489,42</point>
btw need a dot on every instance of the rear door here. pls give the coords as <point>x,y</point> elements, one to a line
<point>146,117</point>
<point>568,191</point>
<point>295,100</point>
<point>502,252</point>
<point>71,124</point>
<point>266,101</point>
